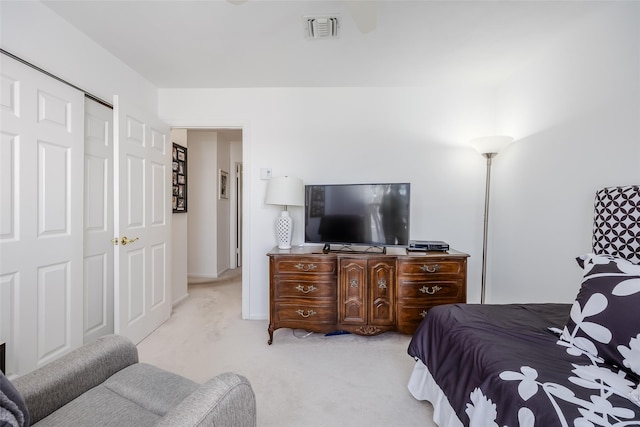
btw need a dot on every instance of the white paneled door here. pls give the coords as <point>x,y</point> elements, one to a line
<point>142,222</point>
<point>98,221</point>
<point>41,217</point>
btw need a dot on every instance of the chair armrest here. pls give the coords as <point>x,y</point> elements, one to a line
<point>225,400</point>
<point>57,383</point>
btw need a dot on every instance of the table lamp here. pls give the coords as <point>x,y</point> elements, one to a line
<point>285,191</point>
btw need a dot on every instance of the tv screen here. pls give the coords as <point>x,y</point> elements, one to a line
<point>358,214</point>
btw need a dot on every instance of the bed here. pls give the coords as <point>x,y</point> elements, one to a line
<point>544,364</point>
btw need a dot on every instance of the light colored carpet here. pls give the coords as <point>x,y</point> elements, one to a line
<point>317,381</point>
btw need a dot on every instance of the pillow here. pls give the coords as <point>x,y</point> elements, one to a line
<point>13,410</point>
<point>605,317</point>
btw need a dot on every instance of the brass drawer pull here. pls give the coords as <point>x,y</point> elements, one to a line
<point>431,290</point>
<point>423,313</point>
<point>307,267</point>
<point>309,313</point>
<point>353,283</point>
<point>306,289</point>
<point>382,284</point>
<point>430,269</point>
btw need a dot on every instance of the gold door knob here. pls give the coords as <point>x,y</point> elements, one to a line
<point>126,240</point>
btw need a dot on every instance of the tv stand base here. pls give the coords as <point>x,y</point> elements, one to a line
<point>348,249</point>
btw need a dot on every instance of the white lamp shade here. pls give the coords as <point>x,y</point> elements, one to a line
<point>490,144</point>
<point>285,191</point>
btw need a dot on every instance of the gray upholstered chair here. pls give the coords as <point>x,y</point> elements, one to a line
<point>102,384</point>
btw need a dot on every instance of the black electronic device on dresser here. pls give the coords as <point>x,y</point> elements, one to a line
<point>375,215</point>
<point>428,246</point>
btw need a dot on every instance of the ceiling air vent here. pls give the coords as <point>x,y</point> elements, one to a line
<point>321,27</point>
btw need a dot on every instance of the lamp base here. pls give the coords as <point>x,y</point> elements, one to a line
<point>284,230</point>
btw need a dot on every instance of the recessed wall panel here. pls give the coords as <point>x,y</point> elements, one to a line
<point>54,110</point>
<point>96,187</point>
<point>9,95</point>
<point>54,289</point>
<point>159,193</point>
<point>53,189</point>
<point>95,292</point>
<point>135,188</point>
<point>96,131</point>
<point>9,180</point>
<point>159,280</point>
<point>135,131</point>
<point>158,141</point>
<point>136,285</point>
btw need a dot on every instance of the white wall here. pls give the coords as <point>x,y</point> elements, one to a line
<point>179,232</point>
<point>575,114</point>
<point>33,32</point>
<point>202,203</point>
<point>334,135</point>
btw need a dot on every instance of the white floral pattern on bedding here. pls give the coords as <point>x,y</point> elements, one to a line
<point>605,319</point>
<point>596,324</point>
<point>598,411</point>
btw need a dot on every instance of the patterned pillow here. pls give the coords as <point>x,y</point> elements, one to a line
<point>616,222</point>
<point>605,317</point>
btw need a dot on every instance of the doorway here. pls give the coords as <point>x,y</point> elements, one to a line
<point>215,202</point>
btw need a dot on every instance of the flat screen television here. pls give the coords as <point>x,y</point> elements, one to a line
<point>358,214</point>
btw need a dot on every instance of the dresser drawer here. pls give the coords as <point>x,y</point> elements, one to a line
<point>412,313</point>
<point>309,286</point>
<point>430,266</point>
<point>304,265</point>
<point>436,288</point>
<point>305,312</point>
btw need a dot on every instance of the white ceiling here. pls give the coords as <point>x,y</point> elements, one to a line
<point>261,43</point>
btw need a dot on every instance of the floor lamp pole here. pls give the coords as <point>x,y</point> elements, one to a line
<point>489,156</point>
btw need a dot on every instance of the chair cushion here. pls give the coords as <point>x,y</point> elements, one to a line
<point>139,395</point>
<point>151,388</point>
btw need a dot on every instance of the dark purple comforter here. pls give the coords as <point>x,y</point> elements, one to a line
<point>506,355</point>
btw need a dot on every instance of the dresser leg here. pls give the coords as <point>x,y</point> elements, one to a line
<point>270,334</point>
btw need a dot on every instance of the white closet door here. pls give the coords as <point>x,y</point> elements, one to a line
<point>41,217</point>
<point>143,216</point>
<point>98,221</point>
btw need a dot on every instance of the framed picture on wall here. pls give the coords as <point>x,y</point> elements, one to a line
<point>223,185</point>
<point>179,199</point>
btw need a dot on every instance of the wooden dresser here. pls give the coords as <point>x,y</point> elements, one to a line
<point>361,293</point>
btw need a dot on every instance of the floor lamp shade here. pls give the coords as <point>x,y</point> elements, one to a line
<point>284,191</point>
<point>488,146</point>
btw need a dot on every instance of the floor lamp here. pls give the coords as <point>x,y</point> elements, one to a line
<point>285,191</point>
<point>488,146</point>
